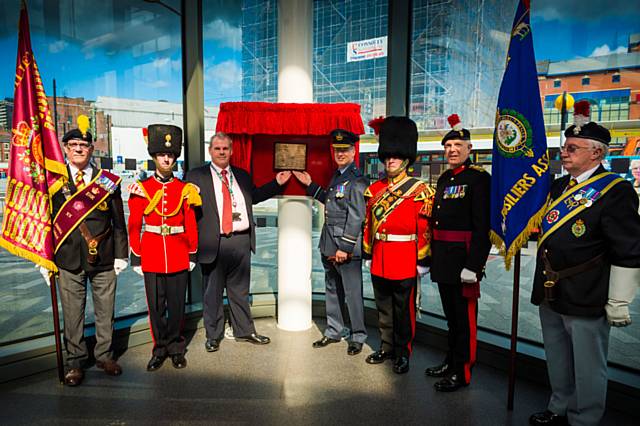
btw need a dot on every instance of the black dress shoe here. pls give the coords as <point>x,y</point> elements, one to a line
<point>547,418</point>
<point>254,338</point>
<point>354,348</point>
<point>401,365</point>
<point>441,370</point>
<point>155,362</point>
<point>378,357</point>
<point>451,383</point>
<point>212,345</point>
<point>179,361</point>
<point>74,377</point>
<point>325,341</point>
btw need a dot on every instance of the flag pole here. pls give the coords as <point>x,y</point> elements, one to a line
<point>514,330</point>
<point>56,326</point>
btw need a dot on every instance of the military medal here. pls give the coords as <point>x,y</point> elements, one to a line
<point>578,229</point>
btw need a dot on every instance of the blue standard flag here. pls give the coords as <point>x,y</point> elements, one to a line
<point>520,170</point>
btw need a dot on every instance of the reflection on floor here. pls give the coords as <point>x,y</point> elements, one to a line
<point>25,306</point>
<point>286,382</point>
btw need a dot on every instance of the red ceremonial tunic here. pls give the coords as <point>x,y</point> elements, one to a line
<point>386,215</point>
<point>155,203</point>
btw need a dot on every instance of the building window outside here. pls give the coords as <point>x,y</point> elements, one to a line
<point>586,81</point>
<point>615,78</point>
<point>557,83</point>
<point>457,61</point>
<point>117,80</point>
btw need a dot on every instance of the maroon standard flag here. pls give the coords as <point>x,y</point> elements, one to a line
<point>36,163</point>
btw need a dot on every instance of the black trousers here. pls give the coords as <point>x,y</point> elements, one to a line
<point>166,294</point>
<point>396,303</point>
<point>230,270</point>
<point>462,315</point>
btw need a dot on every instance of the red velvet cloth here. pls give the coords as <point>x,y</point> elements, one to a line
<point>255,126</point>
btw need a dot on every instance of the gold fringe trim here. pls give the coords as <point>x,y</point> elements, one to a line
<point>521,240</point>
<point>26,254</point>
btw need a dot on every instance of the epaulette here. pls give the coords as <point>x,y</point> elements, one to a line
<point>135,189</point>
<point>478,168</point>
<point>192,194</point>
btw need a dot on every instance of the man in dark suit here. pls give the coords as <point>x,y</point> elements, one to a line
<point>341,241</point>
<point>459,251</point>
<point>91,246</point>
<point>587,273</point>
<point>226,238</point>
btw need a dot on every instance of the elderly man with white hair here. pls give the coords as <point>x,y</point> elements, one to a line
<point>587,273</point>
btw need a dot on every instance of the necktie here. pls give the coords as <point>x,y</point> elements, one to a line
<point>573,182</point>
<point>227,218</point>
<point>79,182</point>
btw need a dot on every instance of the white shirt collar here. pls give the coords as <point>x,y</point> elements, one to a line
<point>74,170</point>
<point>219,170</point>
<point>586,175</point>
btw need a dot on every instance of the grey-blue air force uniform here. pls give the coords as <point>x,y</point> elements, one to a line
<point>344,214</point>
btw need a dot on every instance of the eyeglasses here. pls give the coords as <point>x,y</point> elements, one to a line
<point>573,148</point>
<point>83,146</point>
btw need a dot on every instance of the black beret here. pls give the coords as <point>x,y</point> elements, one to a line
<point>590,130</point>
<point>462,134</point>
<point>398,139</point>
<point>77,134</point>
<point>164,138</point>
<point>343,138</point>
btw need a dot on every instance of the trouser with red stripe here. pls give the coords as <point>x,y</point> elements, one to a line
<point>396,303</point>
<point>462,314</point>
<point>166,294</point>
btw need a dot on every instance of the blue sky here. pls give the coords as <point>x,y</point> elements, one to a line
<point>108,63</point>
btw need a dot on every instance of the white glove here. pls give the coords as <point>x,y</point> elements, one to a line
<point>467,276</point>
<point>367,264</point>
<point>617,313</point>
<point>191,266</point>
<point>120,265</point>
<point>422,270</point>
<point>623,283</point>
<point>138,270</point>
<point>45,274</point>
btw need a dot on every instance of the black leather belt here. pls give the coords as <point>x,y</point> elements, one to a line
<point>243,232</point>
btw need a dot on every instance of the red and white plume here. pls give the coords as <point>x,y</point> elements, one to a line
<point>375,124</point>
<point>454,122</point>
<point>145,135</point>
<point>581,113</point>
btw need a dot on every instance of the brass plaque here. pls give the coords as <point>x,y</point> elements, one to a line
<point>290,156</point>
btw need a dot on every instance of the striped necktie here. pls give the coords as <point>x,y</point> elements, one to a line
<point>79,181</point>
<point>573,182</point>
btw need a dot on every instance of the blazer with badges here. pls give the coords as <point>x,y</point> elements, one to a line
<point>462,203</point>
<point>164,205</point>
<point>399,207</point>
<point>72,254</point>
<point>343,213</point>
<point>207,215</point>
<point>609,226</point>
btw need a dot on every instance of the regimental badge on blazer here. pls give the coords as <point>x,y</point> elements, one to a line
<point>457,191</point>
<point>578,228</point>
<point>103,207</point>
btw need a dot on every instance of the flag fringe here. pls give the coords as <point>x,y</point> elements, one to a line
<point>520,240</point>
<point>38,260</point>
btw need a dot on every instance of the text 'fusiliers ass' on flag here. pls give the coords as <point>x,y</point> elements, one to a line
<point>520,164</point>
<point>36,164</point>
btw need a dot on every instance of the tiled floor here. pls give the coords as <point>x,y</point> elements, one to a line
<point>283,383</point>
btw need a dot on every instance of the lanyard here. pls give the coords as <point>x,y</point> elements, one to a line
<point>228,185</point>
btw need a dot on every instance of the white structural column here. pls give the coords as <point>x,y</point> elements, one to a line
<point>295,84</point>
